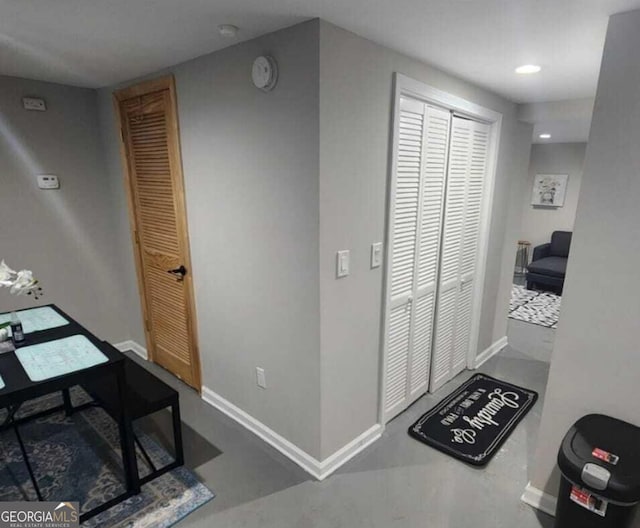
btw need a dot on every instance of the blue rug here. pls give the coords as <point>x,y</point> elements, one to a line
<point>78,459</point>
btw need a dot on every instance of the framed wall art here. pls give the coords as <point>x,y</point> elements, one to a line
<point>549,190</point>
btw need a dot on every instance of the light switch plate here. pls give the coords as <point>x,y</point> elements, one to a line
<point>342,263</point>
<point>261,378</point>
<point>48,181</point>
<point>376,255</point>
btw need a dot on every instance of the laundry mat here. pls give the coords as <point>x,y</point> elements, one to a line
<point>475,420</point>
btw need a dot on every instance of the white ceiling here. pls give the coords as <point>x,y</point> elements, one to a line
<point>101,42</point>
<point>564,131</point>
<point>566,121</point>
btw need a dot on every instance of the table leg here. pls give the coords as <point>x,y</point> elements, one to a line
<point>66,398</point>
<point>127,439</point>
<point>28,463</point>
<point>177,433</point>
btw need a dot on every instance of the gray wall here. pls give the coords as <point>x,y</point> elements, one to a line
<point>355,119</point>
<point>539,222</point>
<point>264,222</point>
<point>251,177</point>
<point>595,365</point>
<point>65,236</point>
<point>275,184</point>
<point>517,163</point>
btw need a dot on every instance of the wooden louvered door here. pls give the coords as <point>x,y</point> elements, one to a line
<point>414,237</point>
<point>468,156</point>
<point>153,168</point>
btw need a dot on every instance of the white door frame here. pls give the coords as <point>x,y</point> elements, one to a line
<point>403,85</point>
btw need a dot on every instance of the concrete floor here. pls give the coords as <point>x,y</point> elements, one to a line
<point>397,482</point>
<point>533,340</point>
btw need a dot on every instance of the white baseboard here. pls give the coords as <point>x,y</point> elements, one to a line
<point>487,354</point>
<point>347,452</point>
<point>134,347</point>
<point>316,468</point>
<point>539,500</point>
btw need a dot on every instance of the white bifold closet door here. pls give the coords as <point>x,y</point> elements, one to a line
<point>417,199</point>
<point>468,154</point>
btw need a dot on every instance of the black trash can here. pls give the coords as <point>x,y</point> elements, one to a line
<point>600,464</point>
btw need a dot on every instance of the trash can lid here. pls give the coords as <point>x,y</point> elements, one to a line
<point>611,444</point>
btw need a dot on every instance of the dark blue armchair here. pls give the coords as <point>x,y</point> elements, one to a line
<point>549,263</point>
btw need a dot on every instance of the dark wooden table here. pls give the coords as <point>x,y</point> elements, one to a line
<point>19,389</point>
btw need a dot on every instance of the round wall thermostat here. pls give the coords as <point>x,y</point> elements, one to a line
<point>265,73</point>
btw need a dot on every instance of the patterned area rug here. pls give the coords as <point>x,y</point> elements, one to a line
<point>541,308</point>
<point>78,459</point>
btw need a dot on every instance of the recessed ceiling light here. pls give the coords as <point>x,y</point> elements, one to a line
<point>545,136</point>
<point>528,68</point>
<point>228,30</point>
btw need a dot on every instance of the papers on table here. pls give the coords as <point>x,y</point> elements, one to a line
<point>62,356</point>
<point>36,319</point>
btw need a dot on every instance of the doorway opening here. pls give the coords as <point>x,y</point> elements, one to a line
<point>549,203</point>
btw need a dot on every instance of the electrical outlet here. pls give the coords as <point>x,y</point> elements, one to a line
<point>261,378</point>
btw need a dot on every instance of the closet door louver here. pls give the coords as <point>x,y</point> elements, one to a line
<point>403,239</point>
<point>427,255</point>
<point>417,197</point>
<point>151,143</point>
<point>452,237</point>
<point>465,187</point>
<point>469,254</point>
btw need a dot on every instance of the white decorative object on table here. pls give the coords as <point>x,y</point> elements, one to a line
<point>549,190</point>
<point>19,283</point>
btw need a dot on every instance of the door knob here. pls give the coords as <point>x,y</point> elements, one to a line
<point>409,301</point>
<point>179,272</point>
